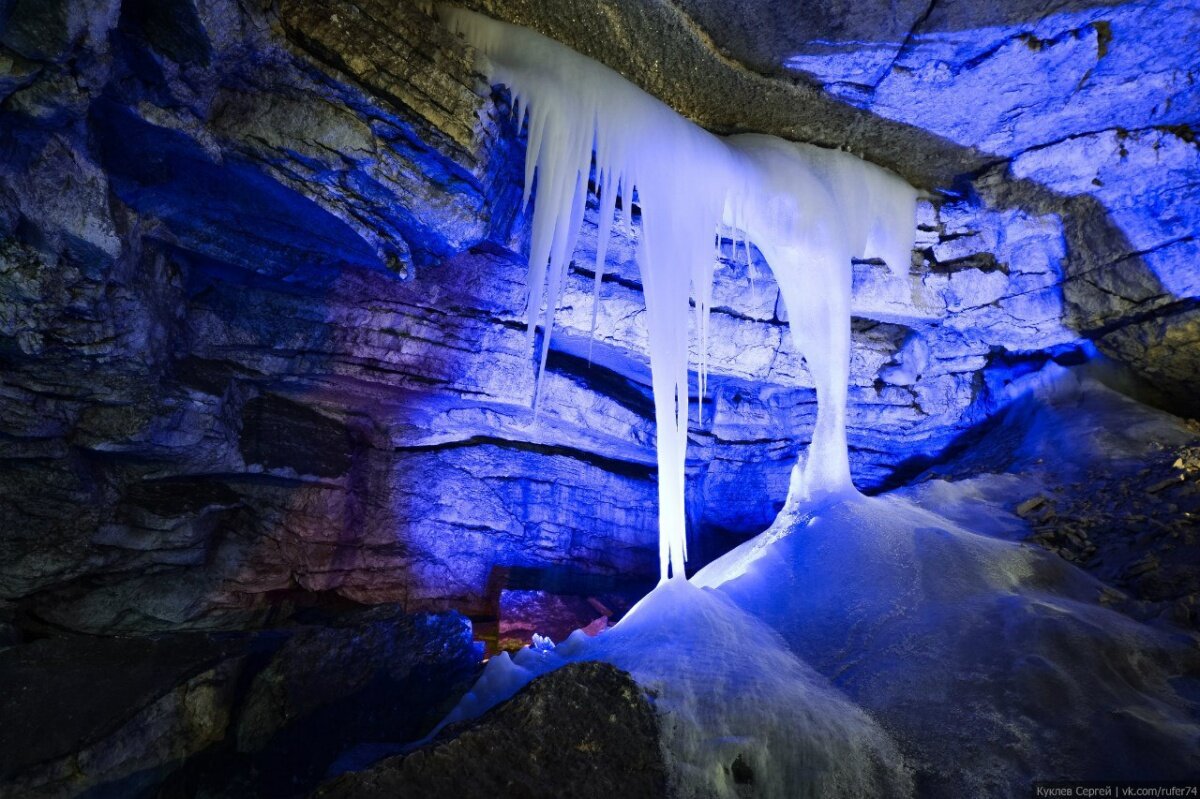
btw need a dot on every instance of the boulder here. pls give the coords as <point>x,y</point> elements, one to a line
<point>262,713</point>
<point>585,730</point>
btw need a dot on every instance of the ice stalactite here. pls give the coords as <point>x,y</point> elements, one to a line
<point>807,209</point>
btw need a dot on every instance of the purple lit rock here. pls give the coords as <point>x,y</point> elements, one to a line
<point>262,286</point>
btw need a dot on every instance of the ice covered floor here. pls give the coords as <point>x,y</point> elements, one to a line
<point>908,644</point>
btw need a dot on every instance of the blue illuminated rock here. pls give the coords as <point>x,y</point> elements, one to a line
<point>261,290</point>
<point>234,714</point>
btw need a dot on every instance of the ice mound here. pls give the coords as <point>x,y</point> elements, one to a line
<point>727,690</point>
<point>990,661</point>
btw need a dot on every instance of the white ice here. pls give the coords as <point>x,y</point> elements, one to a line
<point>867,646</point>
<point>725,687</point>
<point>986,661</point>
<point>808,210</point>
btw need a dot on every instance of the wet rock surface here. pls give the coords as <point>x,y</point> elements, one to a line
<point>584,730</point>
<point>377,679</point>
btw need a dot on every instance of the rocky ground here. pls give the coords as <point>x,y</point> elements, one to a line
<point>584,730</point>
<point>1138,531</point>
<point>279,712</point>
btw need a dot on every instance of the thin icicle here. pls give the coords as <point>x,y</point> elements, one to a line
<point>607,207</point>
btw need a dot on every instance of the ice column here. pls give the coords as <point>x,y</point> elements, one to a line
<point>807,209</point>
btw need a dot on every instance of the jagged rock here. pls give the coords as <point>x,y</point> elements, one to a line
<point>585,730</point>
<point>261,292</point>
<point>344,684</point>
<point>351,680</point>
<point>1030,505</point>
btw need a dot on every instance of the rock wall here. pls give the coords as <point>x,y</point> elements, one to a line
<point>261,293</point>
<point>1084,112</point>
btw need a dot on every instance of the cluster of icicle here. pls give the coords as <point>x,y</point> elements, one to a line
<point>808,210</point>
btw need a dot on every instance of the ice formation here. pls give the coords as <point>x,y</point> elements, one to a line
<point>727,689</point>
<point>991,662</point>
<point>807,209</point>
<point>988,662</point>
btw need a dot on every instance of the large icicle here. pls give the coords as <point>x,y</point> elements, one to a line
<point>808,210</point>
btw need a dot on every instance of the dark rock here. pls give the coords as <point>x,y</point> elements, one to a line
<point>240,714</point>
<point>347,35</point>
<point>280,434</point>
<point>173,27</point>
<point>1030,505</point>
<point>585,730</point>
<point>374,678</point>
<point>80,713</point>
<point>10,633</point>
<point>38,30</point>
<point>272,257</point>
<point>741,772</point>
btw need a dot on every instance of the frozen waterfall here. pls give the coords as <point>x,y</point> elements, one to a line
<point>808,210</point>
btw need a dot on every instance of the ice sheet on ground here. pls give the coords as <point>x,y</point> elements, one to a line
<point>988,662</point>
